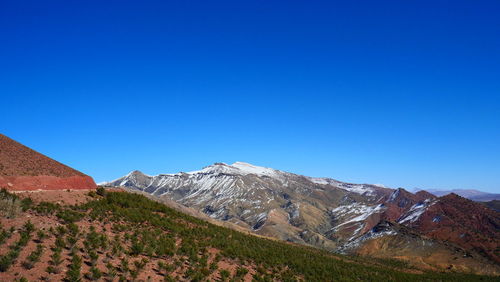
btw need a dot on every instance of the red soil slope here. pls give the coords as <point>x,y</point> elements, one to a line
<point>22,168</point>
<point>463,222</point>
<point>401,201</point>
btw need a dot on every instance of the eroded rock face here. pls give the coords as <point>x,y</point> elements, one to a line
<point>44,182</point>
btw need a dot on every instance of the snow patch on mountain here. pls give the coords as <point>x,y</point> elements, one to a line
<point>372,234</point>
<point>240,168</point>
<point>394,195</point>
<point>252,169</point>
<point>362,189</point>
<point>356,212</point>
<point>416,211</point>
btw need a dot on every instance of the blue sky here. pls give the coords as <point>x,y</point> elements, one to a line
<point>403,93</point>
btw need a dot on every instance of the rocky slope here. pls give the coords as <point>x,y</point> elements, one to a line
<point>22,168</point>
<point>321,212</point>
<point>461,221</point>
<point>110,235</point>
<point>391,240</point>
<point>269,202</point>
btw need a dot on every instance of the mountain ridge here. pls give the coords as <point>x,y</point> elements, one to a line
<point>321,212</point>
<point>471,194</point>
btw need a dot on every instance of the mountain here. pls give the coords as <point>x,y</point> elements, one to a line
<point>324,212</point>
<point>470,194</point>
<point>471,225</point>
<point>22,168</point>
<point>269,202</point>
<point>112,235</point>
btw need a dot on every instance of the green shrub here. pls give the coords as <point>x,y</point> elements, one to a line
<point>4,235</point>
<point>101,191</point>
<point>94,274</point>
<point>73,273</point>
<point>69,216</point>
<point>34,257</point>
<point>224,274</point>
<point>46,208</point>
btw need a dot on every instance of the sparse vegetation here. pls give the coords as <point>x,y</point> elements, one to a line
<point>73,273</point>
<point>8,259</point>
<point>10,204</point>
<point>34,257</point>
<point>124,236</point>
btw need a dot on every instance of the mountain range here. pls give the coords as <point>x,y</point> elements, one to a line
<point>236,222</point>
<point>429,231</point>
<point>471,194</point>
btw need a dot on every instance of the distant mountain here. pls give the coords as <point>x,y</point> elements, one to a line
<point>22,168</point>
<point>327,213</point>
<point>470,194</point>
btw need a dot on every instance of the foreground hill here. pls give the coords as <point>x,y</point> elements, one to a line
<point>335,215</point>
<point>119,236</point>
<point>22,168</point>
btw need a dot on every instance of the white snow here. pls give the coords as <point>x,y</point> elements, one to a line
<point>394,195</point>
<point>236,168</point>
<point>367,236</point>
<point>356,212</point>
<point>261,216</point>
<point>415,212</point>
<point>322,181</point>
<point>252,169</point>
<point>296,211</point>
<point>355,188</point>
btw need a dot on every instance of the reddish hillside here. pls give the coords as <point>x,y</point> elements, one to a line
<point>22,168</point>
<point>464,222</point>
<point>400,201</point>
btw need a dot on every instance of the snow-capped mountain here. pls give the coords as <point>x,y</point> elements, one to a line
<point>261,198</point>
<point>322,212</point>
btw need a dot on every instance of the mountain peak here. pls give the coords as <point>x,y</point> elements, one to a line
<point>253,169</point>
<point>136,172</point>
<point>425,195</point>
<point>242,164</point>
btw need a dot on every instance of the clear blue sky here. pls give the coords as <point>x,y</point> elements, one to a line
<point>403,93</point>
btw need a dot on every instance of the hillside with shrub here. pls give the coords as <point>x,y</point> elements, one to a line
<point>119,236</point>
